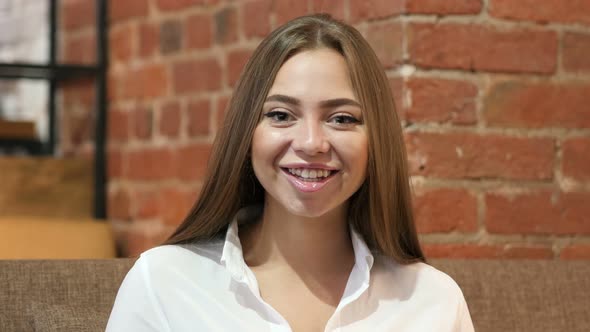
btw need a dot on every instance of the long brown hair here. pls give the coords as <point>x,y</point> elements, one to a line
<point>381,210</point>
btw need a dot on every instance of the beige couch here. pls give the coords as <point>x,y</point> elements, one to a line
<point>77,295</point>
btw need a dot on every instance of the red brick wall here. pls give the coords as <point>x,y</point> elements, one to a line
<point>494,95</point>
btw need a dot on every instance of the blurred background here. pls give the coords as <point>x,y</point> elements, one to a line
<point>108,110</point>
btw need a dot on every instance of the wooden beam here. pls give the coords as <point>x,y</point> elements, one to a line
<point>18,130</point>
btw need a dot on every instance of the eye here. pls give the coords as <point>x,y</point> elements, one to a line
<point>278,116</point>
<point>343,119</point>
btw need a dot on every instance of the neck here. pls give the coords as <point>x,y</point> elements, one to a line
<point>284,240</point>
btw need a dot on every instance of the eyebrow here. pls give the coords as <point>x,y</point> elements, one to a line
<point>330,103</point>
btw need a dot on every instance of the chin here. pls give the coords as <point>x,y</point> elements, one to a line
<point>309,210</point>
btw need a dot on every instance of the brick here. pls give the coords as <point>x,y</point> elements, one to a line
<point>118,205</point>
<point>86,149</point>
<point>176,5</point>
<point>482,251</point>
<point>78,128</point>
<point>131,244</point>
<point>168,203</point>
<point>80,49</point>
<point>286,10</point>
<point>548,11</point>
<point>473,156</point>
<point>76,138</point>
<point>192,161</point>
<point>121,39</point>
<point>170,36</point>
<point>149,39</point>
<point>79,149</point>
<point>260,9</point>
<point>361,10</point>
<point>236,61</point>
<point>116,86</point>
<point>194,76</point>
<point>114,163</point>
<point>136,240</point>
<point>576,251</point>
<point>542,212</point>
<point>226,25</point>
<point>144,82</point>
<point>75,14</point>
<point>199,31</point>
<point>576,52</point>
<point>446,7</point>
<point>336,8</point>
<point>175,205</point>
<point>386,41</point>
<point>537,105</point>
<point>79,93</point>
<point>479,47</point>
<point>445,210</point>
<point>118,125</point>
<point>529,252</point>
<point>122,10</point>
<point>142,123</point>
<point>198,115</point>
<point>576,158</point>
<point>152,163</point>
<point>442,101</point>
<point>169,122</point>
<point>114,91</point>
<point>146,203</point>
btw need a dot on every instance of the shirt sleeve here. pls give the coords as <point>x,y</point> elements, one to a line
<point>464,323</point>
<point>136,307</point>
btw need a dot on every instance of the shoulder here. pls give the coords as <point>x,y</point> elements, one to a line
<point>425,290</point>
<point>207,251</point>
<point>420,277</point>
<point>175,260</point>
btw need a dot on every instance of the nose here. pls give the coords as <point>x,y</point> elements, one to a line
<point>310,138</point>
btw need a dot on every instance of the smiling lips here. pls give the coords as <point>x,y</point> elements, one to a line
<point>308,179</point>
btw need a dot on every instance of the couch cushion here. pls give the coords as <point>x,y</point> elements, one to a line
<point>45,317</point>
<point>85,285</point>
<point>524,295</point>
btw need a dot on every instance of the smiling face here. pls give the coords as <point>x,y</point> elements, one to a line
<point>310,149</point>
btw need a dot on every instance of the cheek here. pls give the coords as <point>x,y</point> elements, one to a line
<point>354,149</point>
<point>266,146</point>
<point>258,148</point>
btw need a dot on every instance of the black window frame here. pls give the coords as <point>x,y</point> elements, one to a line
<point>54,73</point>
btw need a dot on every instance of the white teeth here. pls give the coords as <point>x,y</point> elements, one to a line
<point>305,173</point>
<point>309,173</point>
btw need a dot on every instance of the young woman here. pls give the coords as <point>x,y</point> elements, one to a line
<point>304,222</point>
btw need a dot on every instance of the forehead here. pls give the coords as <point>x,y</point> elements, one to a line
<point>314,75</point>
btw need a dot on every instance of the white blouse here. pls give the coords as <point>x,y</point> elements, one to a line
<point>209,287</point>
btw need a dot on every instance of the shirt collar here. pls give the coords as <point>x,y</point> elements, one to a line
<point>362,254</point>
<point>232,256</point>
<point>233,259</point>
